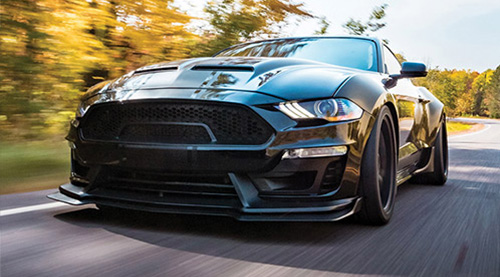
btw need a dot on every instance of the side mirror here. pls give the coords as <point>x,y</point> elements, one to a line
<point>411,70</point>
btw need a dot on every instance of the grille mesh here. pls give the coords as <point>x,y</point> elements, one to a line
<point>175,122</point>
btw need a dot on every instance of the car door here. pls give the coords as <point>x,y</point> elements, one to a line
<point>410,113</point>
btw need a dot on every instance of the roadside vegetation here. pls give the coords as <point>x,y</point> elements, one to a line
<point>26,166</point>
<point>454,127</point>
<point>465,92</point>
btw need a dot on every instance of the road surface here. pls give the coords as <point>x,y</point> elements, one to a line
<point>436,231</point>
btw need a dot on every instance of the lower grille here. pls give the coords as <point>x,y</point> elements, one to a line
<point>177,122</point>
<point>211,190</point>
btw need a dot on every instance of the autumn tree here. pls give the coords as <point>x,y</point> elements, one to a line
<point>52,50</point>
<point>452,87</point>
<point>479,86</point>
<point>23,64</point>
<point>235,21</point>
<point>492,94</point>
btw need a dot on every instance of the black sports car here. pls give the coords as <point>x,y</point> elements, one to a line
<point>293,129</point>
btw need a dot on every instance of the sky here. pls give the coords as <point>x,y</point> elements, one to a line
<point>462,34</point>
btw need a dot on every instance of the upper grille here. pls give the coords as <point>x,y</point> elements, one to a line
<point>175,122</point>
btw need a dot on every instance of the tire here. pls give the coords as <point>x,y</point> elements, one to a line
<point>378,172</point>
<point>439,175</point>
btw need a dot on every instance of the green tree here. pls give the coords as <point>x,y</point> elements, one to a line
<point>324,25</point>
<point>373,24</point>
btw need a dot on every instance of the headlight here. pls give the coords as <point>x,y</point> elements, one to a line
<point>329,109</point>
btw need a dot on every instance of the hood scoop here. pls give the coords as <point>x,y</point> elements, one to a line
<point>154,69</point>
<point>217,67</point>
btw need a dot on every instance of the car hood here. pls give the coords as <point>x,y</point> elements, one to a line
<point>283,78</point>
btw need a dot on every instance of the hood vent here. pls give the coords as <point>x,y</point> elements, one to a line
<point>216,67</point>
<point>154,69</point>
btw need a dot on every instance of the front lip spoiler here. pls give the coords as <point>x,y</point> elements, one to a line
<point>342,208</point>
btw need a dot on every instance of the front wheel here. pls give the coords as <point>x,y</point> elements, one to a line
<point>378,171</point>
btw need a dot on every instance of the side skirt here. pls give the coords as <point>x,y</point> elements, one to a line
<point>424,164</point>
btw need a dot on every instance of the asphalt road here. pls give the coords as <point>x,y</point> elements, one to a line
<point>436,231</point>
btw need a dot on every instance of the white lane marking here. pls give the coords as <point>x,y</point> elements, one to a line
<point>32,208</point>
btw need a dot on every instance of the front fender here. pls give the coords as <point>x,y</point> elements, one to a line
<point>434,113</point>
<point>370,94</point>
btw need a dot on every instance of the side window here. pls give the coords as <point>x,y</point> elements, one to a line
<point>392,65</point>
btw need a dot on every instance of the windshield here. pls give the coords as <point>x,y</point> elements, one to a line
<point>354,53</point>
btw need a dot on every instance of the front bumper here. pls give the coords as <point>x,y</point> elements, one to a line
<point>329,211</point>
<point>249,183</point>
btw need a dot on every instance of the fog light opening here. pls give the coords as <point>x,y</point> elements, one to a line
<point>318,152</point>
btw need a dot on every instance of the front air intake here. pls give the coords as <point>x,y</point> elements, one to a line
<point>174,122</point>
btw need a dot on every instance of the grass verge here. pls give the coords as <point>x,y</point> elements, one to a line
<point>29,166</point>
<point>455,127</point>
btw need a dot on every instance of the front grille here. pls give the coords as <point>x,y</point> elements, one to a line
<point>194,122</point>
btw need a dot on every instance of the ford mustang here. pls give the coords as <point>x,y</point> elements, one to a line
<point>291,129</point>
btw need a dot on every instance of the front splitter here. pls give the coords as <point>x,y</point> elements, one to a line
<point>336,210</point>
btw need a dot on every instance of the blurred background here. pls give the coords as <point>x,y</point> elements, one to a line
<point>51,51</point>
